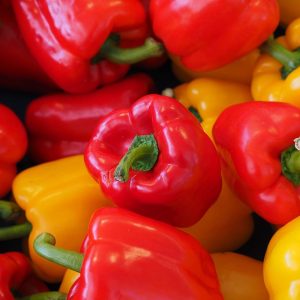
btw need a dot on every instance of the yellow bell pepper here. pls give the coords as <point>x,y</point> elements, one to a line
<point>58,197</point>
<point>228,215</point>
<point>282,263</point>
<point>271,80</point>
<point>238,71</point>
<point>240,277</point>
<point>289,10</point>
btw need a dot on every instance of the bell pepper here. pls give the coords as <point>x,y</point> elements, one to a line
<point>281,263</point>
<point>18,69</point>
<point>239,70</point>
<point>207,35</point>
<point>155,159</point>
<point>122,247</point>
<point>209,97</point>
<point>73,41</point>
<point>277,71</point>
<point>289,11</point>
<point>13,145</point>
<point>60,125</point>
<point>17,278</point>
<point>256,144</point>
<point>58,197</point>
<point>240,276</point>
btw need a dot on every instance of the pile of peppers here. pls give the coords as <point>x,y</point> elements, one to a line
<point>149,149</point>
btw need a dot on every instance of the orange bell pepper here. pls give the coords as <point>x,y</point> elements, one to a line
<point>240,276</point>
<point>228,214</point>
<point>289,11</point>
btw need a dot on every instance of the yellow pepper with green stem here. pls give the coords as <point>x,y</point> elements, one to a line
<point>58,197</point>
<point>282,263</point>
<point>276,75</point>
<point>208,97</point>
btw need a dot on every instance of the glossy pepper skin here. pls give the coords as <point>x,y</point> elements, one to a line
<point>18,69</point>
<point>64,36</point>
<point>60,125</point>
<point>16,273</point>
<point>281,263</point>
<point>184,181</point>
<point>204,44</point>
<point>240,276</point>
<point>58,197</point>
<point>231,71</point>
<point>13,145</point>
<point>122,247</point>
<point>268,84</point>
<point>256,144</point>
<point>228,214</point>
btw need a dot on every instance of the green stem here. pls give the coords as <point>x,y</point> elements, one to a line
<point>195,112</point>
<point>9,211</point>
<point>141,156</point>
<point>290,162</point>
<point>44,246</point>
<point>289,59</point>
<point>45,296</point>
<point>15,231</point>
<point>111,51</point>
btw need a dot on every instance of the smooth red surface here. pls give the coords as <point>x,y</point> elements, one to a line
<point>209,34</point>
<point>64,36</point>
<point>14,268</point>
<point>250,138</point>
<point>127,256</point>
<point>60,125</point>
<point>13,145</point>
<point>18,69</point>
<point>185,180</point>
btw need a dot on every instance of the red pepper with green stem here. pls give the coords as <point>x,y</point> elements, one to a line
<point>127,256</point>
<point>60,125</point>
<point>155,159</point>
<point>18,69</point>
<point>259,158</point>
<point>13,145</point>
<point>75,42</point>
<point>209,34</point>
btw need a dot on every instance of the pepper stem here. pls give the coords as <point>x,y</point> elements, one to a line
<point>111,51</point>
<point>290,162</point>
<point>45,296</point>
<point>15,231</point>
<point>44,246</point>
<point>9,211</point>
<point>289,59</point>
<point>141,156</point>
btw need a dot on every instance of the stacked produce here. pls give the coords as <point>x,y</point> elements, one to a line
<point>149,149</point>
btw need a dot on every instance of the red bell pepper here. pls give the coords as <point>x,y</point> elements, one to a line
<point>260,161</point>
<point>13,145</point>
<point>16,274</point>
<point>170,169</point>
<point>209,34</point>
<point>60,125</point>
<point>18,69</point>
<point>69,38</point>
<point>127,256</point>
